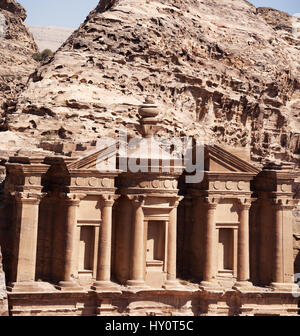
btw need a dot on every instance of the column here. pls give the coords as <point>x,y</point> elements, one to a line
<point>58,237</point>
<point>72,204</point>
<point>187,231</point>
<point>243,256</point>
<point>172,247</point>
<point>278,248</point>
<point>282,277</point>
<point>47,212</point>
<point>25,249</point>
<point>103,278</point>
<point>210,244</point>
<point>137,277</point>
<point>255,236</point>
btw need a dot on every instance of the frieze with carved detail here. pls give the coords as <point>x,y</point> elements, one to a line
<point>144,183</point>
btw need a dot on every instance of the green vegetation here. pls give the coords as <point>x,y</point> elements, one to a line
<point>42,56</point>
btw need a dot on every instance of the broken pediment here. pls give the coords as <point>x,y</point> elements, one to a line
<point>103,159</point>
<point>218,159</point>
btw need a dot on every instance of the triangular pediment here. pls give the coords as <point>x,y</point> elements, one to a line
<point>218,159</point>
<point>107,158</point>
<point>98,159</point>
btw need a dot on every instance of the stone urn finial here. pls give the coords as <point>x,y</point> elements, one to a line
<point>149,109</point>
<point>148,113</point>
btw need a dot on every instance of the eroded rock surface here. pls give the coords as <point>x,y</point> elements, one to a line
<point>222,69</point>
<point>16,48</point>
<point>3,295</point>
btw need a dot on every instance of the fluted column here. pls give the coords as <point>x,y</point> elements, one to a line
<point>172,247</point>
<point>25,249</point>
<point>103,278</point>
<point>209,276</point>
<point>243,264</point>
<point>137,274</point>
<point>72,204</point>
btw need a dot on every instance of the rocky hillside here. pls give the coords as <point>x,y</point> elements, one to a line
<point>16,48</point>
<point>220,69</point>
<point>50,37</point>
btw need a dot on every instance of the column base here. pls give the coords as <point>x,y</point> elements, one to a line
<point>68,286</point>
<point>28,286</point>
<point>137,284</point>
<point>285,287</point>
<point>209,285</point>
<point>172,285</point>
<point>105,286</point>
<point>244,285</point>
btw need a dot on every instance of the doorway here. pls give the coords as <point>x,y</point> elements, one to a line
<point>156,241</point>
<point>225,251</point>
<point>155,254</point>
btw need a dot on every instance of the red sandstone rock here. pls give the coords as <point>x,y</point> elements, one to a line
<point>16,48</point>
<point>3,295</point>
<point>220,69</point>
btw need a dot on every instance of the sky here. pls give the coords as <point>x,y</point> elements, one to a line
<point>58,13</point>
<point>290,6</point>
<point>71,13</point>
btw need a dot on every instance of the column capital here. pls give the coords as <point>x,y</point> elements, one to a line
<point>284,203</point>
<point>137,201</point>
<point>73,199</point>
<point>28,198</point>
<point>49,197</point>
<point>175,201</point>
<point>211,202</point>
<point>108,200</point>
<point>245,203</point>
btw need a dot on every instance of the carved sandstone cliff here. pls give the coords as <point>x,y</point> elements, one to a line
<point>16,48</point>
<point>217,68</point>
<point>3,295</point>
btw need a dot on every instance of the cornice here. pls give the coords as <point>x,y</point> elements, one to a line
<point>245,176</point>
<point>27,169</point>
<point>93,172</point>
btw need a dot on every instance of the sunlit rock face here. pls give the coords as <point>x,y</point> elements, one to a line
<point>218,69</point>
<point>16,49</point>
<point>2,25</point>
<point>3,295</point>
<point>13,7</point>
